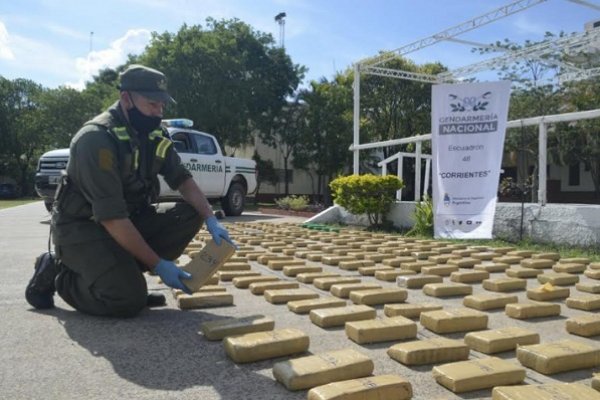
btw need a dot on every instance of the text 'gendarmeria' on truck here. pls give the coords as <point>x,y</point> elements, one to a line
<point>227,179</point>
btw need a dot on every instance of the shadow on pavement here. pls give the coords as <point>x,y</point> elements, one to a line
<point>162,350</point>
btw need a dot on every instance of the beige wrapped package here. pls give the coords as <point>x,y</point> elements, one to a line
<point>309,277</point>
<point>204,264</point>
<point>320,369</point>
<point>373,297</point>
<point>596,382</point>
<point>294,270</point>
<point>379,387</point>
<point>504,284</point>
<point>548,292</point>
<point>524,273</point>
<point>552,391</point>
<point>469,276</point>
<point>447,289</point>
<point>484,302</point>
<point>507,259</point>
<point>245,281</point>
<point>587,303</point>
<point>588,287</point>
<point>203,300</point>
<point>342,290</point>
<point>592,273</point>
<point>305,306</point>
<point>327,283</point>
<point>217,330</point>
<point>417,265</point>
<point>278,265</point>
<point>532,310</point>
<point>577,260</point>
<point>466,376</point>
<point>499,340</point>
<point>430,351</point>
<point>279,296</point>
<point>409,310</point>
<point>355,265</point>
<point>456,320</point>
<point>564,355</point>
<point>258,346</point>
<point>228,276</point>
<point>492,267</point>
<point>261,287</point>
<point>235,266</point>
<point>538,263</point>
<point>485,255</point>
<point>558,278</point>
<point>391,275</point>
<point>442,258</point>
<point>418,281</point>
<point>465,262</point>
<point>266,257</point>
<point>381,330</point>
<point>338,316</point>
<point>570,268</point>
<point>584,325</point>
<point>439,270</point>
<point>397,262</point>
<point>371,271</point>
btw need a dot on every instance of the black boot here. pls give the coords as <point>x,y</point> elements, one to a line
<point>40,290</point>
<point>155,300</point>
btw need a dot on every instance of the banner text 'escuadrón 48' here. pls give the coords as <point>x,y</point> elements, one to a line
<point>468,128</point>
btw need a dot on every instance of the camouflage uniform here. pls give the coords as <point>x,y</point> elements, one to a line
<point>112,174</point>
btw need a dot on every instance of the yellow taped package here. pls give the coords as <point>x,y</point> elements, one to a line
<point>469,276</point>
<point>418,281</point>
<point>417,266</point>
<point>306,306</point>
<point>558,278</point>
<point>520,272</point>
<point>429,351</point>
<point>217,330</point>
<point>552,391</point>
<point>203,300</point>
<point>398,261</point>
<point>440,270</point>
<point>588,287</point>
<point>343,290</point>
<point>378,296</point>
<point>499,340</point>
<point>258,346</point>
<point>355,265</point>
<point>492,267</point>
<point>409,310</point>
<point>294,270</point>
<point>484,302</point>
<point>278,265</point>
<point>537,263</point>
<point>327,283</point>
<point>547,256</point>
<point>279,296</point>
<point>466,376</point>
<point>447,289</point>
<point>320,369</point>
<point>391,275</point>
<point>584,325</point>
<point>381,330</point>
<point>374,387</point>
<point>592,273</point>
<point>235,266</point>
<point>548,292</point>
<point>570,268</point>
<point>466,262</point>
<point>338,316</point>
<point>587,303</point>
<point>227,276</point>
<point>309,277</point>
<point>244,282</point>
<point>456,320</point>
<point>504,284</point>
<point>261,287</point>
<point>532,310</point>
<point>564,355</point>
<point>508,259</point>
<point>485,255</point>
<point>204,264</point>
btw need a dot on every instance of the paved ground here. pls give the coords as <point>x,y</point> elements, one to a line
<point>61,354</point>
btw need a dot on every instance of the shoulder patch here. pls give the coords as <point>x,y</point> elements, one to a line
<point>105,159</point>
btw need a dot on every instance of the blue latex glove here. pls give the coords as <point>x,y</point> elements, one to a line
<point>217,231</point>
<point>171,275</point>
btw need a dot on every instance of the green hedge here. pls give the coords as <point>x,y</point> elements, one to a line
<point>366,194</point>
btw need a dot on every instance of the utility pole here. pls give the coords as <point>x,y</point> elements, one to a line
<point>280,19</point>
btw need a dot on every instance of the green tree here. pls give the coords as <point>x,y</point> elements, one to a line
<point>227,77</point>
<point>266,173</point>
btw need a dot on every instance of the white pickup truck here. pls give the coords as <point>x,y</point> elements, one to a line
<point>227,179</point>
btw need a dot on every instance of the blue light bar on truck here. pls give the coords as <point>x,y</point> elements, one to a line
<point>177,123</point>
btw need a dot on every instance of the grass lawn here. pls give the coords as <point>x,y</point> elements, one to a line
<point>16,202</point>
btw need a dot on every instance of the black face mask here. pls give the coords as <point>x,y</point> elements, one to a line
<point>143,124</point>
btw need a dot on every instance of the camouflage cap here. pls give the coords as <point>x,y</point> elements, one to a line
<point>146,81</point>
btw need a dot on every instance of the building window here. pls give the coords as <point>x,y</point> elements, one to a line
<point>574,178</point>
<point>281,175</point>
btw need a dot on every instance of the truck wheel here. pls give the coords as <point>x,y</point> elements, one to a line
<point>233,202</point>
<point>48,205</point>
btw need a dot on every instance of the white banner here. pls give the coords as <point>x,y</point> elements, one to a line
<point>468,126</point>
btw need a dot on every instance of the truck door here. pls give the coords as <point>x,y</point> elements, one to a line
<point>207,165</point>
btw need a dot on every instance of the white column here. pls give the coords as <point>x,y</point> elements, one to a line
<point>418,171</point>
<point>356,117</point>
<point>542,167</point>
<point>399,192</point>
<point>384,169</point>
<point>427,173</point>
